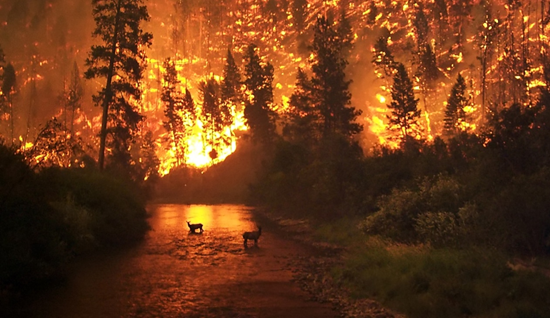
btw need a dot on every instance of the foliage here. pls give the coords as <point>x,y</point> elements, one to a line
<point>329,86</point>
<point>258,107</point>
<point>301,125</point>
<point>215,115</point>
<point>31,247</point>
<point>120,60</point>
<point>454,111</point>
<point>403,119</point>
<point>47,218</point>
<point>173,111</point>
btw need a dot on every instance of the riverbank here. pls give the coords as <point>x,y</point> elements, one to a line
<point>314,273</point>
<point>366,277</point>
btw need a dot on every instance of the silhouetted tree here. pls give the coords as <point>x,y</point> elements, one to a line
<point>120,60</point>
<point>301,126</point>
<point>212,115</point>
<point>404,106</point>
<point>173,111</point>
<point>330,88</point>
<point>259,83</point>
<point>454,111</point>
<point>231,84</point>
<point>427,69</point>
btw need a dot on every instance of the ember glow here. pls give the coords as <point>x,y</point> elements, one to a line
<point>498,46</point>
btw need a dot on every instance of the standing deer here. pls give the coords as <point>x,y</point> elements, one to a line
<point>193,227</point>
<point>254,235</point>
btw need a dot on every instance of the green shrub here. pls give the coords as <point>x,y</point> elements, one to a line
<point>117,214</point>
<point>437,228</point>
<point>396,216</point>
<point>427,212</point>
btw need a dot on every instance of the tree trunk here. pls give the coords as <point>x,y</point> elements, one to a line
<point>108,92</point>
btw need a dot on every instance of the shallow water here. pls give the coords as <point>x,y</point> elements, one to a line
<point>174,273</point>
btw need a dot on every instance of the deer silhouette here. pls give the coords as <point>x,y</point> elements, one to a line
<point>254,235</point>
<point>194,227</point>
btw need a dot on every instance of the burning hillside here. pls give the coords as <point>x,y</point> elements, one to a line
<point>498,47</point>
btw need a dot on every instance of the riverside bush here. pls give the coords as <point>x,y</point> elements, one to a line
<point>48,217</point>
<point>115,211</point>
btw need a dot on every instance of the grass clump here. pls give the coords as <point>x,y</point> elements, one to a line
<point>424,282</point>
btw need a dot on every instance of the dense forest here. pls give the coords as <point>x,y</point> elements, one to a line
<point>425,122</point>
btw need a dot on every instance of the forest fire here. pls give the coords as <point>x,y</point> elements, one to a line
<point>497,47</point>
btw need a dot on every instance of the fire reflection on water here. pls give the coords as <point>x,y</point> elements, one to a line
<point>175,216</point>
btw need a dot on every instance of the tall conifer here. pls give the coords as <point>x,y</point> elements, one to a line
<point>120,60</point>
<point>404,106</point>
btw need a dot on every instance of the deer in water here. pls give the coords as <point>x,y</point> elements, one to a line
<point>254,235</point>
<point>193,227</point>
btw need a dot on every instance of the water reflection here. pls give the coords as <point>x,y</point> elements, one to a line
<point>175,274</point>
<point>172,217</point>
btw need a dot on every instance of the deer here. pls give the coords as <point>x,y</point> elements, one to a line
<point>193,227</point>
<point>254,235</point>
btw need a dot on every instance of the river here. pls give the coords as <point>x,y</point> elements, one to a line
<point>174,273</point>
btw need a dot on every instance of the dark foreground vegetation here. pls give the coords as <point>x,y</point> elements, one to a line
<point>433,229</point>
<point>48,217</point>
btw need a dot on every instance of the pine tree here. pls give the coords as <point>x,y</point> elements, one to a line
<point>427,70</point>
<point>173,111</point>
<point>404,106</point>
<point>330,88</point>
<point>212,117</point>
<point>454,111</point>
<point>259,83</point>
<point>302,117</point>
<point>120,60</point>
<point>231,84</point>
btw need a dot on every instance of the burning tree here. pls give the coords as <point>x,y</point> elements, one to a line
<point>54,146</point>
<point>120,60</point>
